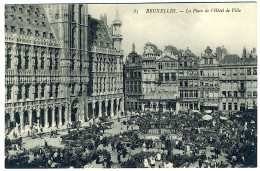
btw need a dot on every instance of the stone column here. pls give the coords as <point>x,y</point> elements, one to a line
<point>122,105</point>
<point>164,107</point>
<point>46,123</point>
<point>38,117</point>
<point>100,109</point>
<point>157,106</point>
<point>30,117</point>
<point>39,91</point>
<point>143,105</point>
<point>23,92</point>
<point>117,104</point>
<point>60,116</point>
<point>151,106</point>
<point>47,91</point>
<point>93,109</point>
<point>86,111</point>
<point>106,105</point>
<point>15,90</point>
<point>66,115</point>
<point>112,108</point>
<point>22,121</point>
<point>53,117</point>
<point>163,77</point>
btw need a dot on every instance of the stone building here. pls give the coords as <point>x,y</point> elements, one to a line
<point>209,79</point>
<point>55,72</point>
<point>238,82</point>
<point>133,81</point>
<point>188,80</point>
<point>105,94</point>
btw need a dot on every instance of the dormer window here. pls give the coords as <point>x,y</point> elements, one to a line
<point>12,29</point>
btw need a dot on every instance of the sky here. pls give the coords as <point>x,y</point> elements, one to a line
<point>193,30</point>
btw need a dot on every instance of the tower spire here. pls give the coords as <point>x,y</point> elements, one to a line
<point>133,47</point>
<point>117,16</point>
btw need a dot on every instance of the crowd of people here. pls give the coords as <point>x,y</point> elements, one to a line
<point>190,141</point>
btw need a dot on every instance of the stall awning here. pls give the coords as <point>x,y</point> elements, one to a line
<point>210,104</point>
<point>160,95</point>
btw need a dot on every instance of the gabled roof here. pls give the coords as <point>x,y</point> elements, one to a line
<point>160,95</point>
<point>165,59</point>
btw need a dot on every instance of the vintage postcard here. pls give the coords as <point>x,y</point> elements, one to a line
<point>144,85</point>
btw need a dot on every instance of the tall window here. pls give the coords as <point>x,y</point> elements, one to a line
<point>42,60</point>
<point>235,106</point>
<point>36,91</point>
<point>254,71</point>
<point>51,91</point>
<point>173,76</point>
<point>191,93</point>
<point>248,71</point>
<point>186,83</point>
<point>186,93</point>
<point>196,94</point>
<point>27,91</point>
<point>19,92</point>
<point>9,92</point>
<point>181,93</point>
<point>167,78</point>
<point>229,106</point>
<point>42,90</point>
<point>8,61</point>
<point>224,106</point>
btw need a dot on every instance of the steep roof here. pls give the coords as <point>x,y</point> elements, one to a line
<point>21,17</point>
<point>231,59</point>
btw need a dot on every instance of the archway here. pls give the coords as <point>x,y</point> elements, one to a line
<point>17,118</point>
<point>109,108</point>
<point>75,110</point>
<point>56,115</point>
<point>50,117</point>
<point>96,109</point>
<point>7,121</point>
<point>34,117</point>
<point>42,118</point>
<point>115,103</point>
<point>90,111</point>
<point>103,108</point>
<point>63,115</point>
<point>25,118</point>
<point>160,107</point>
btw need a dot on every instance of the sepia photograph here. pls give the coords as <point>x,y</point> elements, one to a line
<point>133,85</point>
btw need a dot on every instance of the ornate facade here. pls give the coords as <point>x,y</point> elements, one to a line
<point>188,80</point>
<point>173,80</point>
<point>50,59</point>
<point>238,82</point>
<point>209,80</point>
<point>105,95</point>
<point>133,81</point>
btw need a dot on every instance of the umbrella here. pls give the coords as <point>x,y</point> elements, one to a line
<point>196,111</point>
<point>223,118</point>
<point>207,117</point>
<point>208,111</point>
<point>252,121</point>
